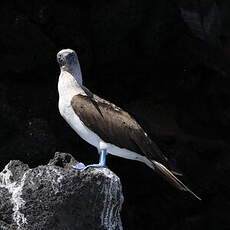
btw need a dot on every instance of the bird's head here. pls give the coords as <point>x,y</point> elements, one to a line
<point>67,59</point>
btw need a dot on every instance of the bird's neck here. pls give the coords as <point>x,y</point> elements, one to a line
<point>68,86</point>
<point>75,71</point>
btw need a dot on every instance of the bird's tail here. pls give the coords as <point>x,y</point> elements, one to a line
<point>165,173</point>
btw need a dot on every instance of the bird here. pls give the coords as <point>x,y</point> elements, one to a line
<point>106,126</point>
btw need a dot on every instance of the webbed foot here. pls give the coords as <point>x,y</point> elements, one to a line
<point>101,164</point>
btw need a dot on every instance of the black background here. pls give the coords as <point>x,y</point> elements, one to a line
<point>166,62</point>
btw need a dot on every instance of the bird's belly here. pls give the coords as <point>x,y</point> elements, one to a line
<point>77,125</point>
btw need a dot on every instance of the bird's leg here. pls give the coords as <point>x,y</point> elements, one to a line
<point>101,164</point>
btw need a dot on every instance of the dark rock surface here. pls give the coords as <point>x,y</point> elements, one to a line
<point>166,62</point>
<point>56,196</point>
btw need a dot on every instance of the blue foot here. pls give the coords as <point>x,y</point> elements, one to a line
<point>79,166</point>
<point>101,164</point>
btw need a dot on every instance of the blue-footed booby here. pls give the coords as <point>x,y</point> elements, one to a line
<point>104,125</point>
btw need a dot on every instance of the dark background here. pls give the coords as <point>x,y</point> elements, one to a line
<point>166,62</point>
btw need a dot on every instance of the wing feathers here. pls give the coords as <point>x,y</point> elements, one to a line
<point>113,125</point>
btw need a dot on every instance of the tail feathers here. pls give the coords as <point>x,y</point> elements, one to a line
<point>163,171</point>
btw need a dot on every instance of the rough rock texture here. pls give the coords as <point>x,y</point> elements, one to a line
<point>58,197</point>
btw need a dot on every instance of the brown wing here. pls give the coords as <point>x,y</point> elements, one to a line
<point>114,125</point>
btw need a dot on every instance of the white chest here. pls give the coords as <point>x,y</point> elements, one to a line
<point>67,89</point>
